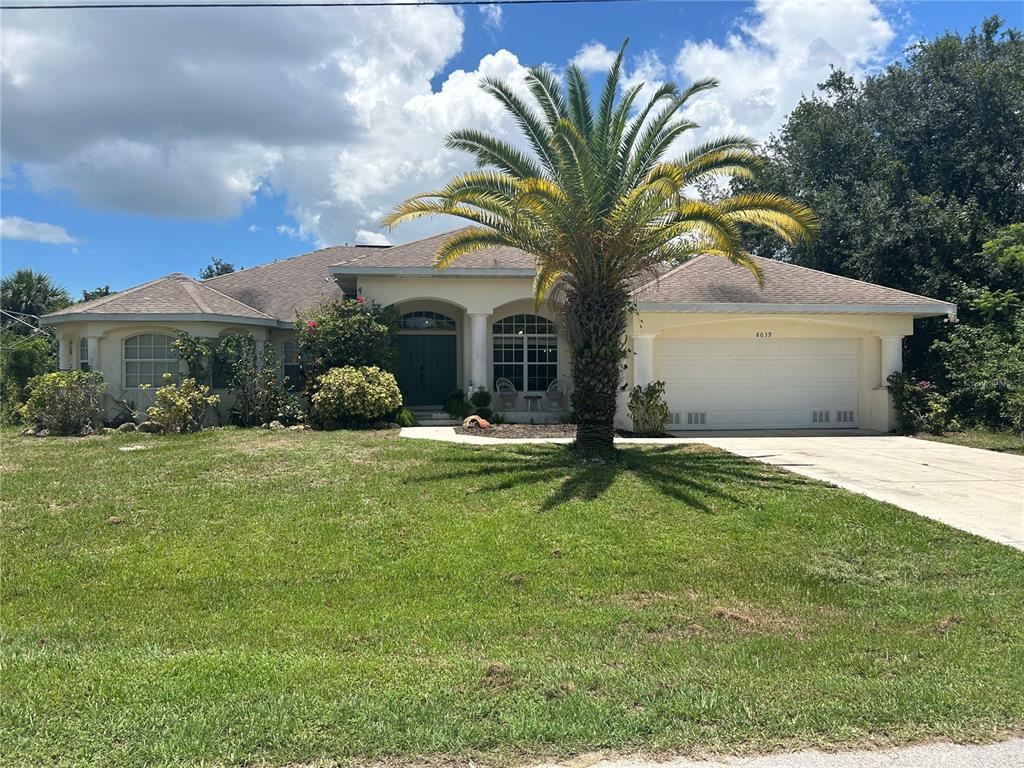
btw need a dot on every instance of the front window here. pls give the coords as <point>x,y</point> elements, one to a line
<point>292,366</point>
<point>147,357</point>
<point>83,354</point>
<point>525,352</point>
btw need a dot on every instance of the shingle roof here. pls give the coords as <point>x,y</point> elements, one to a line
<point>420,254</point>
<point>283,288</point>
<point>709,279</point>
<point>175,294</point>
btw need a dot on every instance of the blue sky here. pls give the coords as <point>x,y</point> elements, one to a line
<point>141,143</point>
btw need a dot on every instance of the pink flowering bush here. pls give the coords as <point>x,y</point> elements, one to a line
<point>346,332</point>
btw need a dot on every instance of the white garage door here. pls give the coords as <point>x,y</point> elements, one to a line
<point>760,383</point>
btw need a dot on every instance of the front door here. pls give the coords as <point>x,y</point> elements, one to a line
<point>426,368</point>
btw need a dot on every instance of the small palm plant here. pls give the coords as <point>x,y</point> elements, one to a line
<point>599,205</point>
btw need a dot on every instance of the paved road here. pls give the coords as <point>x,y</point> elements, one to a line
<point>977,491</point>
<point>1005,754</point>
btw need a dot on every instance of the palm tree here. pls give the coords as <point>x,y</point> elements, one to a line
<point>25,292</point>
<point>601,208</point>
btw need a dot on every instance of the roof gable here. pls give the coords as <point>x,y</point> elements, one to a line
<point>174,294</point>
<point>710,279</point>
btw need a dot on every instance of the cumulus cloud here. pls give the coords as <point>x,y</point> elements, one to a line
<point>366,237</point>
<point>594,57</point>
<point>784,50</point>
<point>17,228</point>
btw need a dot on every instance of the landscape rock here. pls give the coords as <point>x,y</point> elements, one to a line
<point>128,426</point>
<point>151,427</point>
<point>275,424</point>
<point>43,433</point>
<point>86,431</point>
<point>476,422</point>
<point>30,432</point>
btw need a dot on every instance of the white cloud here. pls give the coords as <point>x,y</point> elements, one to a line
<point>492,16</point>
<point>594,57</point>
<point>784,51</point>
<point>17,228</point>
<point>366,237</point>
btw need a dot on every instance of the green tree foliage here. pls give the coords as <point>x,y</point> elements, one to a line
<point>21,358</point>
<point>29,293</point>
<point>912,171</point>
<point>96,293</point>
<point>215,268</point>
<point>346,332</point>
<point>601,203</point>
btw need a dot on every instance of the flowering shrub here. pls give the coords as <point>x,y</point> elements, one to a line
<point>919,406</point>
<point>64,402</point>
<point>347,332</point>
<point>648,410</point>
<point>181,407</point>
<point>355,396</point>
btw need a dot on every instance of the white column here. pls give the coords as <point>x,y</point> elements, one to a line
<point>64,356</point>
<point>643,359</point>
<point>478,350</point>
<point>93,344</point>
<point>892,356</point>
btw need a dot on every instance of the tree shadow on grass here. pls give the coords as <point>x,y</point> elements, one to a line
<point>691,477</point>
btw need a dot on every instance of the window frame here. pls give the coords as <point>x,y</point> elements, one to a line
<point>171,363</point>
<point>83,354</point>
<point>517,338</point>
<point>299,381</point>
<point>444,322</point>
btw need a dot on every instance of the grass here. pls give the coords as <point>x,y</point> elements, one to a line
<point>989,439</point>
<point>238,597</point>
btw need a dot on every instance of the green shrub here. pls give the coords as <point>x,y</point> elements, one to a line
<point>352,396</point>
<point>1013,411</point>
<point>21,358</point>
<point>404,418</point>
<point>481,403</point>
<point>260,393</point>
<point>918,404</point>
<point>648,410</point>
<point>456,406</point>
<point>347,332</point>
<point>181,407</point>
<point>64,402</point>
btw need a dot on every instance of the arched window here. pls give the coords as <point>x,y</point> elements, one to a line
<point>147,357</point>
<point>425,320</point>
<point>525,352</point>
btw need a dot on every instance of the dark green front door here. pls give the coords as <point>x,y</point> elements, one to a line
<point>426,368</point>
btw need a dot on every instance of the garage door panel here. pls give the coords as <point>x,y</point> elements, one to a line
<point>739,383</point>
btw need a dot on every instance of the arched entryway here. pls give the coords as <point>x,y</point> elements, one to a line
<point>427,344</point>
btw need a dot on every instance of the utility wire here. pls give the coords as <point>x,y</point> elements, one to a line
<point>297,4</point>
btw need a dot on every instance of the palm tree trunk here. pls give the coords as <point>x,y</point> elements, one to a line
<point>596,323</point>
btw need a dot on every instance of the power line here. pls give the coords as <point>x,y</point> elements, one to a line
<point>299,4</point>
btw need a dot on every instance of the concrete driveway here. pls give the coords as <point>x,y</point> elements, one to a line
<point>977,491</point>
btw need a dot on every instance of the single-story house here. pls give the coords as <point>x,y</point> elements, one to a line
<point>807,350</point>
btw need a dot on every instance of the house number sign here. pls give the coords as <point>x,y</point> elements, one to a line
<point>762,334</point>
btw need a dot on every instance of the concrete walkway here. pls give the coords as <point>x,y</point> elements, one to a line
<point>1004,754</point>
<point>978,491</point>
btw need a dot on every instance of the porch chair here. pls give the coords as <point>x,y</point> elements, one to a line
<point>506,393</point>
<point>554,393</point>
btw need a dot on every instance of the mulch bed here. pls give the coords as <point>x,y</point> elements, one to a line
<point>511,431</point>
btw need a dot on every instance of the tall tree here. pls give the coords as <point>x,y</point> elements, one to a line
<point>28,293</point>
<point>215,268</point>
<point>96,293</point>
<point>912,170</point>
<point>600,206</point>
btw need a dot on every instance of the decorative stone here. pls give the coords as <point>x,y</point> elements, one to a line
<point>128,426</point>
<point>86,431</point>
<point>43,433</point>
<point>152,427</point>
<point>30,432</point>
<point>275,424</point>
<point>476,422</point>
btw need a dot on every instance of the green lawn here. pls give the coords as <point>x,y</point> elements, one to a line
<point>989,439</point>
<point>235,597</point>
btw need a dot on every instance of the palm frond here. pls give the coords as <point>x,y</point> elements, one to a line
<point>491,151</point>
<point>791,220</point>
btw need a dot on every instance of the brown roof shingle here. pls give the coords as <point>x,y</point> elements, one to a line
<point>284,288</point>
<point>174,294</point>
<point>709,279</point>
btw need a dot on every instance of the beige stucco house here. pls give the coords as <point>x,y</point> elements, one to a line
<point>807,350</point>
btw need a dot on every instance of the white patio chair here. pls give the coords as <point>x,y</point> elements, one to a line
<point>506,392</point>
<point>554,393</point>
